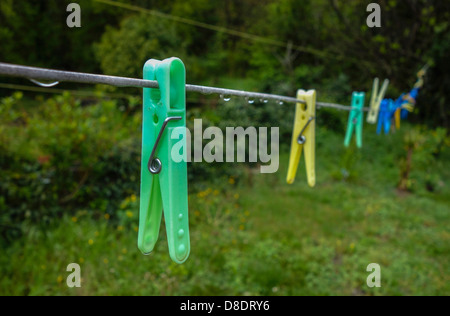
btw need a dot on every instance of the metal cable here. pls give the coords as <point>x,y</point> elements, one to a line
<point>78,77</point>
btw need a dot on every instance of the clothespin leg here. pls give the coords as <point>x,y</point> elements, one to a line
<point>150,214</point>
<point>296,148</point>
<point>359,130</point>
<point>175,201</point>
<point>150,210</point>
<point>372,116</point>
<point>294,157</point>
<point>379,125</point>
<point>387,125</point>
<point>310,134</point>
<point>349,132</point>
<point>397,118</point>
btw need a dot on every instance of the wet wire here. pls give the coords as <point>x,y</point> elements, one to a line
<point>57,76</point>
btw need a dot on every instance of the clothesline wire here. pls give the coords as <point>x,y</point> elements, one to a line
<point>36,73</point>
<point>94,94</point>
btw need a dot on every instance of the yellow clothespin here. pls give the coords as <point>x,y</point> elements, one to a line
<point>304,136</point>
<point>397,117</point>
<point>376,99</point>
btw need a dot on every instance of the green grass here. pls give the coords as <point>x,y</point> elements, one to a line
<point>262,237</point>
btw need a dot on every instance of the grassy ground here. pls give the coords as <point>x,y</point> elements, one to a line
<point>260,236</point>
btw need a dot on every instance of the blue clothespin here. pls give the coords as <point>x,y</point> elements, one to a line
<point>355,119</point>
<point>407,102</point>
<point>384,119</point>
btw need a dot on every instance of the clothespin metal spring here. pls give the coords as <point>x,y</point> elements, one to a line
<point>302,139</point>
<point>154,164</point>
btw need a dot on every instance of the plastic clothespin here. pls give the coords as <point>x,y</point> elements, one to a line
<point>407,102</point>
<point>355,119</point>
<point>420,75</point>
<point>384,120</point>
<point>376,99</point>
<point>397,107</point>
<point>304,137</point>
<point>164,172</point>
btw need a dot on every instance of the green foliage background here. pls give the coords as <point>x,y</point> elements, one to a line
<point>69,163</point>
<point>333,39</point>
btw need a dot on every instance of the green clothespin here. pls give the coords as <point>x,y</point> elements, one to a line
<point>163,168</point>
<point>355,119</point>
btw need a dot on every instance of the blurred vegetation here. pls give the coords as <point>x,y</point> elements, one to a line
<point>70,165</point>
<point>61,154</point>
<point>327,41</point>
<point>70,193</point>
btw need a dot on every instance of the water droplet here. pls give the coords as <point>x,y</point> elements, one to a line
<point>181,249</point>
<point>250,100</point>
<point>181,233</point>
<point>265,101</point>
<point>180,217</point>
<point>280,102</point>
<point>225,97</point>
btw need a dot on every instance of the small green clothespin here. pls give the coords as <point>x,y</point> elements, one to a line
<point>355,119</point>
<point>163,165</point>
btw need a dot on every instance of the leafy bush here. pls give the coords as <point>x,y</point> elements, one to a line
<point>422,146</point>
<point>125,50</point>
<point>62,155</point>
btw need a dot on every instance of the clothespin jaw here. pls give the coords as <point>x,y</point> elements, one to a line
<point>376,99</point>
<point>163,168</point>
<point>355,119</point>
<point>304,137</point>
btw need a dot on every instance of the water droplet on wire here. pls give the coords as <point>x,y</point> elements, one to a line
<point>225,97</point>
